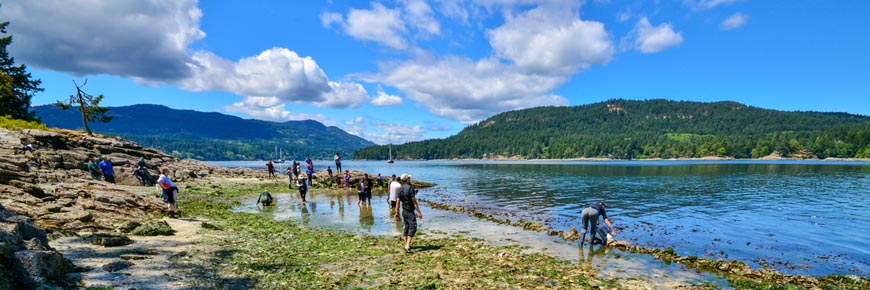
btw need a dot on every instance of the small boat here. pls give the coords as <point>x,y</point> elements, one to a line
<point>280,155</point>
<point>390,161</point>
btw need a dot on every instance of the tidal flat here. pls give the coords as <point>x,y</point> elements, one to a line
<point>331,243</point>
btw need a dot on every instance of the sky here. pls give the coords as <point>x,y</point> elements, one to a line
<point>408,70</point>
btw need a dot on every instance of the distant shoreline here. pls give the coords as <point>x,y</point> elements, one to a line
<point>604,159</point>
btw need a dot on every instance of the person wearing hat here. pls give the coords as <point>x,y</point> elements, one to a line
<point>408,198</point>
<point>107,170</point>
<point>590,215</point>
<point>303,187</point>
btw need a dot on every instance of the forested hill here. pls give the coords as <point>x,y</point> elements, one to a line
<point>627,129</point>
<point>212,136</point>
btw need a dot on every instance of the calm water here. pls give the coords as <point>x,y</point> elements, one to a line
<point>803,217</point>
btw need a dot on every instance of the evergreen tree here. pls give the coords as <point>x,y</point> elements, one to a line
<point>88,105</point>
<point>16,85</point>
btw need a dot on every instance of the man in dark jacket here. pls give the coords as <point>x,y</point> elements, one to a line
<point>408,198</point>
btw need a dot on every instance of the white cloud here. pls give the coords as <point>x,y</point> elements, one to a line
<point>379,24</point>
<point>708,4</point>
<point>623,16</point>
<point>383,99</point>
<point>651,39</point>
<point>419,15</point>
<point>329,18</point>
<point>468,91</point>
<point>272,109</point>
<point>734,21</point>
<point>344,95</point>
<point>551,39</point>
<point>393,133</point>
<point>143,39</point>
<point>277,72</point>
<point>149,41</point>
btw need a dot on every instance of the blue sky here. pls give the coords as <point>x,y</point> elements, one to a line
<point>409,70</point>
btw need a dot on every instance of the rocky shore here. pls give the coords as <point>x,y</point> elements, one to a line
<point>48,192</point>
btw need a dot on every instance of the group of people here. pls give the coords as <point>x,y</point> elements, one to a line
<point>104,169</point>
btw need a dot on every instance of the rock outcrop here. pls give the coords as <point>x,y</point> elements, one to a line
<point>48,192</point>
<point>52,186</point>
<point>28,262</point>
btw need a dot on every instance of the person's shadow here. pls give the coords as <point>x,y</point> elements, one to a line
<point>425,248</point>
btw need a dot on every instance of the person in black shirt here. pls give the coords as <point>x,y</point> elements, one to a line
<point>408,198</point>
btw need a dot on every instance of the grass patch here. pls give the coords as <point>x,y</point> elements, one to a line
<point>282,255</point>
<point>9,123</point>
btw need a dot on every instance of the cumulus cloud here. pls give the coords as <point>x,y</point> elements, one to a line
<point>551,39</point>
<point>651,39</point>
<point>420,15</point>
<point>468,91</point>
<point>379,24</point>
<point>734,21</point>
<point>142,39</point>
<point>149,41</point>
<point>272,109</point>
<point>277,72</point>
<point>383,99</point>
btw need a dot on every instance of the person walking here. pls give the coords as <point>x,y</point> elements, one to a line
<point>271,168</point>
<point>303,187</point>
<point>408,198</point>
<point>337,161</point>
<point>93,168</point>
<point>107,169</point>
<point>366,189</point>
<point>289,173</point>
<point>170,191</point>
<point>395,187</point>
<point>590,215</point>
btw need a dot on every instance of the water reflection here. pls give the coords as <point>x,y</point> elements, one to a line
<point>790,214</point>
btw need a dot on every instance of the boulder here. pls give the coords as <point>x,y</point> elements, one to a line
<point>571,235</point>
<point>128,226</point>
<point>107,240</point>
<point>27,260</point>
<point>117,266</point>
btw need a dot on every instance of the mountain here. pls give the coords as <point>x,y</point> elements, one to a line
<point>212,136</point>
<point>629,129</point>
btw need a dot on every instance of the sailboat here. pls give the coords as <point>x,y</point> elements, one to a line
<point>390,161</point>
<point>280,155</point>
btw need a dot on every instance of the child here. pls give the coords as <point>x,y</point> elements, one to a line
<point>303,187</point>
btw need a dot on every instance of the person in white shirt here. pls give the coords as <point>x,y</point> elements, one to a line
<point>395,187</point>
<point>170,192</point>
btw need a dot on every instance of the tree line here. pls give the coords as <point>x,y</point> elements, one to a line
<point>628,129</point>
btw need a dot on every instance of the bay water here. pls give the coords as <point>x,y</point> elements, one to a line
<point>800,217</point>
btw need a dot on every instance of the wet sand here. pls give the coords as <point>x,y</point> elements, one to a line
<point>343,213</point>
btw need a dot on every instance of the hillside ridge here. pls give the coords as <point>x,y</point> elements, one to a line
<point>630,129</point>
<point>211,135</point>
